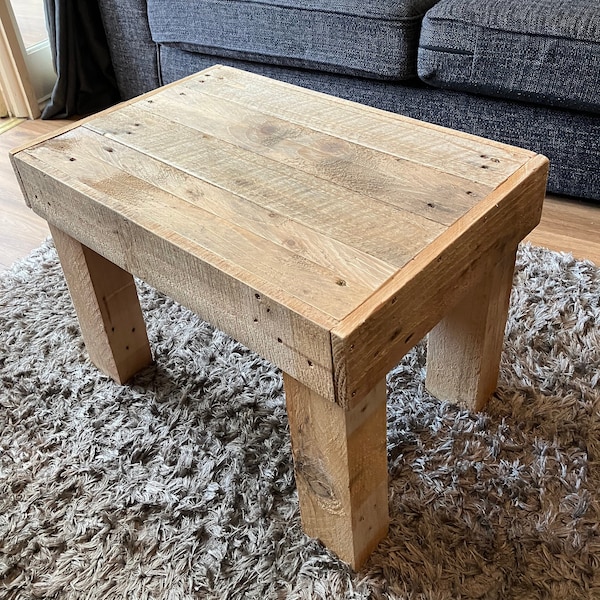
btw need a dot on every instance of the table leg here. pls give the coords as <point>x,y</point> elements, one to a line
<point>463,351</point>
<point>340,462</point>
<point>108,309</point>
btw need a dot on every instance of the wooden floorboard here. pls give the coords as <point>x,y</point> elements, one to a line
<point>570,225</point>
<point>567,225</point>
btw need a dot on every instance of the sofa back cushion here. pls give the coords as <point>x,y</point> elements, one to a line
<point>545,51</point>
<point>378,38</point>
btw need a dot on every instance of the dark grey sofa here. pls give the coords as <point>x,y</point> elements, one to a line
<point>524,72</point>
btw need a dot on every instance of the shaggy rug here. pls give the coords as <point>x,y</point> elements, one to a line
<point>181,486</point>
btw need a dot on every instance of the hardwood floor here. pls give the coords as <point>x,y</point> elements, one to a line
<point>567,225</point>
<point>570,225</point>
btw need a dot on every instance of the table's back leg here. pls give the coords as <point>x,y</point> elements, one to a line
<point>463,351</point>
<point>340,462</point>
<point>108,309</point>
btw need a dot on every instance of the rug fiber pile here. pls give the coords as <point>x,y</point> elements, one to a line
<point>180,485</point>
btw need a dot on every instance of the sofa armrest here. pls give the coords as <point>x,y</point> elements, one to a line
<point>133,53</point>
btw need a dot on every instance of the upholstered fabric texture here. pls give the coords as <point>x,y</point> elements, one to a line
<point>545,51</point>
<point>132,50</point>
<point>375,39</point>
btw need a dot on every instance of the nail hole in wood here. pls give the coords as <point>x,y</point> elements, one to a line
<point>341,282</point>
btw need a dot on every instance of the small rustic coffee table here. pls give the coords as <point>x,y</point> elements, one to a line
<point>325,235</point>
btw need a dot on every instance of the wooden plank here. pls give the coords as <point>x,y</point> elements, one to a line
<point>250,258</point>
<point>384,177</point>
<point>295,338</point>
<point>107,307</point>
<point>349,263</point>
<point>377,229</point>
<point>474,158</point>
<point>571,241</point>
<point>369,342</point>
<point>463,350</point>
<point>340,463</point>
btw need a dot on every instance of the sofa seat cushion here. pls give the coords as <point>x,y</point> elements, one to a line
<point>375,39</point>
<point>545,51</point>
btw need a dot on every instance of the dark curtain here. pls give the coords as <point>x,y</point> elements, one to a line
<point>86,80</point>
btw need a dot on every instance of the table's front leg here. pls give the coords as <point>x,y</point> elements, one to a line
<point>340,462</point>
<point>464,349</point>
<point>107,307</point>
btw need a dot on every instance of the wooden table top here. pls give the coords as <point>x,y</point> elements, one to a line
<point>318,206</point>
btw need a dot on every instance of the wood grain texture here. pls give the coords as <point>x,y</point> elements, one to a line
<point>340,462</point>
<point>108,309</point>
<point>369,342</point>
<point>55,128</point>
<point>312,244</point>
<point>312,201</point>
<point>224,244</point>
<point>245,197</point>
<point>297,342</point>
<point>570,225</point>
<point>21,230</point>
<point>352,166</point>
<point>567,224</point>
<point>345,248</point>
<point>463,349</point>
<point>449,151</point>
